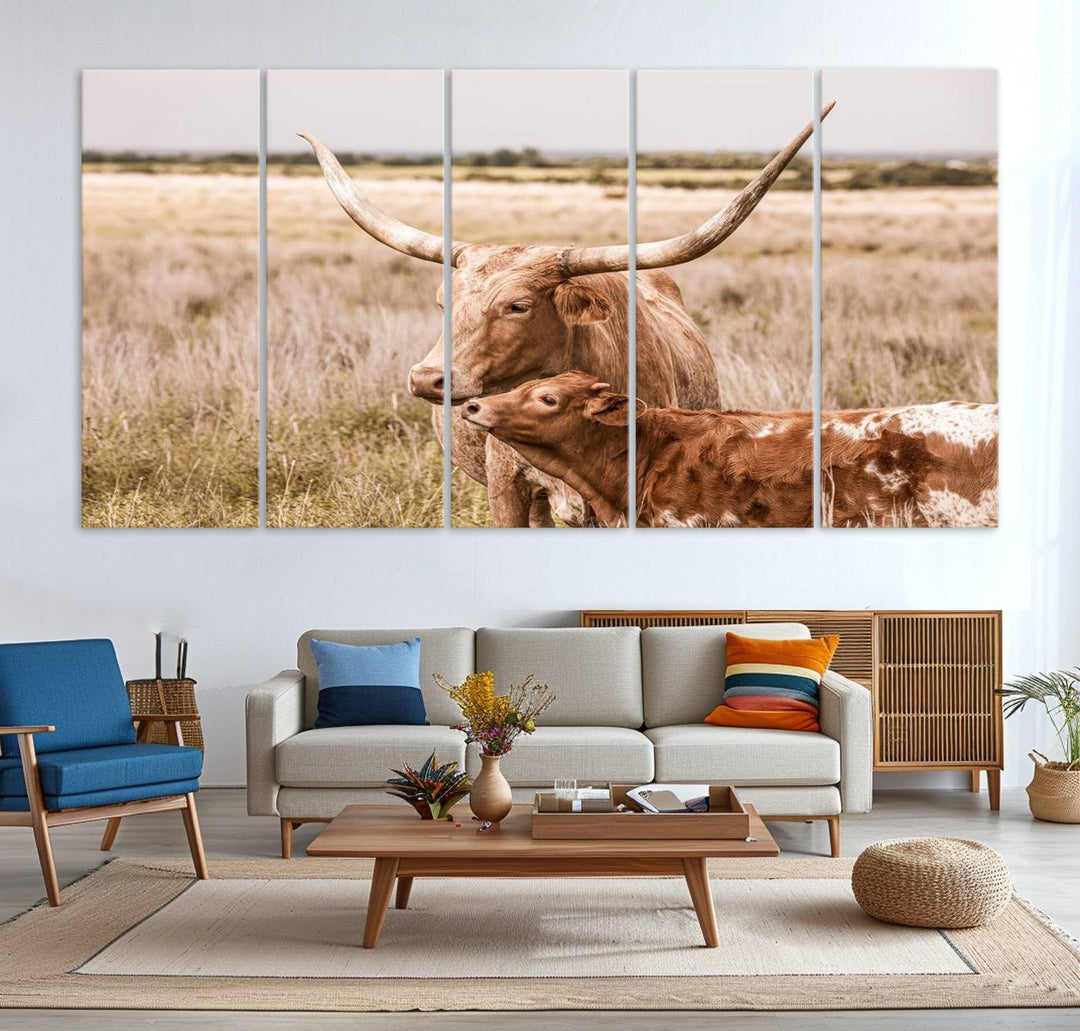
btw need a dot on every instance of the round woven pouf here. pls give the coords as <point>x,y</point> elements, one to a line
<point>932,882</point>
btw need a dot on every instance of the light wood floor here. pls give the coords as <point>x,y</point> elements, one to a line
<point>1043,858</point>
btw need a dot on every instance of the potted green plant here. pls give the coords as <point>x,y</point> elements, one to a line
<point>1054,792</point>
<point>432,790</point>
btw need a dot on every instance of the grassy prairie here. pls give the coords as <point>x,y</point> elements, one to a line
<point>170,350</point>
<point>347,444</point>
<point>909,296</point>
<point>909,316</point>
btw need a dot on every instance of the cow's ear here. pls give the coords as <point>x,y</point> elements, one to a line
<point>577,303</point>
<point>610,409</point>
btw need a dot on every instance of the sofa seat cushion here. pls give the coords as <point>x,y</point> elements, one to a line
<point>586,754</point>
<point>83,771</point>
<point>744,755</point>
<point>362,757</point>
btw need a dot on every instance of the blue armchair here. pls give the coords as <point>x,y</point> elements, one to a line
<point>68,749</point>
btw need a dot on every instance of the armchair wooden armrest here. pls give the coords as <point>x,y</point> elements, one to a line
<point>43,729</point>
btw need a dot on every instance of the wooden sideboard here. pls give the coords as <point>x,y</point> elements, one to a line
<point>934,676</point>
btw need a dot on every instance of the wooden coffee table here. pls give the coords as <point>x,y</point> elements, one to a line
<point>405,847</point>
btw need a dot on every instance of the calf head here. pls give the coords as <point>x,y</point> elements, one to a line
<point>564,413</point>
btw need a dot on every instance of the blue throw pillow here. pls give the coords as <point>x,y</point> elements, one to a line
<point>360,685</point>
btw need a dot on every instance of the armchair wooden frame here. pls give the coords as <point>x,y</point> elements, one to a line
<point>41,819</point>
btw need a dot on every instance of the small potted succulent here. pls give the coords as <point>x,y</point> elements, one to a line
<point>432,790</point>
<point>1054,792</point>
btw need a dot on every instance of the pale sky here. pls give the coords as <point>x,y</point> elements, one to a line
<point>374,111</point>
<point>911,111</point>
<point>552,110</point>
<point>914,111</point>
<point>204,111</point>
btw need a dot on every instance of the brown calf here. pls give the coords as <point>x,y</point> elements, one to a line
<point>919,465</point>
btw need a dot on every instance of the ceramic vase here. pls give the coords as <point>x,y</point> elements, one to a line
<point>490,798</point>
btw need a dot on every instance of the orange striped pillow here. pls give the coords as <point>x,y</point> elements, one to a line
<point>773,684</point>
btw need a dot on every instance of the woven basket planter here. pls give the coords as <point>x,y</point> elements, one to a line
<point>1054,791</point>
<point>932,882</point>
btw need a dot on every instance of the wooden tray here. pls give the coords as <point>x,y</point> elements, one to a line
<point>726,819</point>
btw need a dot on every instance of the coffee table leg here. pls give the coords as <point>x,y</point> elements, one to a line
<point>404,887</point>
<point>697,880</point>
<point>382,885</point>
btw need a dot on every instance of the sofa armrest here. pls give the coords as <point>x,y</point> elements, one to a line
<point>846,715</point>
<point>274,711</point>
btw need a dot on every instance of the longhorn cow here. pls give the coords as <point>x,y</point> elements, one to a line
<point>524,312</point>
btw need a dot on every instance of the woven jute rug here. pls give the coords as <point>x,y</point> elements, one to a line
<point>139,934</point>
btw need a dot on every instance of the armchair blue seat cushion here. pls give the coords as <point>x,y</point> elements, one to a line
<point>104,775</point>
<point>74,685</point>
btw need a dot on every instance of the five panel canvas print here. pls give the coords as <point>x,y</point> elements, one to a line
<point>540,378</point>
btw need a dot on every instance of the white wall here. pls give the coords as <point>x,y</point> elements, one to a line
<point>246,595</point>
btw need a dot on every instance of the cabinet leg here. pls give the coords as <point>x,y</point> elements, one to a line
<point>993,787</point>
<point>975,782</point>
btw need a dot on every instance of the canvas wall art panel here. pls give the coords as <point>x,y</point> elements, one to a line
<point>540,295</point>
<point>724,331</point>
<point>909,299</point>
<point>354,251</point>
<point>170,208</point>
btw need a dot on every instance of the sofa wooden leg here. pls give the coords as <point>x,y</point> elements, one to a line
<point>834,836</point>
<point>194,836</point>
<point>286,839</point>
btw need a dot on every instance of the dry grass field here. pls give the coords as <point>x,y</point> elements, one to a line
<point>170,350</point>
<point>170,377</point>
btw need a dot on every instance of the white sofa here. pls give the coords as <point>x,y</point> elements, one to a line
<point>629,707</point>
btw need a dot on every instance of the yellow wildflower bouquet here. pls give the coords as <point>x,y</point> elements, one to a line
<point>493,720</point>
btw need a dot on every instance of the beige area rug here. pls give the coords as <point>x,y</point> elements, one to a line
<point>274,935</point>
<point>633,927</point>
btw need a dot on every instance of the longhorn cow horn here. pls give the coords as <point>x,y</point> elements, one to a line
<point>373,220</point>
<point>583,261</point>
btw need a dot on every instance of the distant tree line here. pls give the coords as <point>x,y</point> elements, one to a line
<point>838,174</point>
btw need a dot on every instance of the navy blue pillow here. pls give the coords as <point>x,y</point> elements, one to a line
<point>360,685</point>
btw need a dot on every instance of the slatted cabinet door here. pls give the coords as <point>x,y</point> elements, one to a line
<point>935,700</point>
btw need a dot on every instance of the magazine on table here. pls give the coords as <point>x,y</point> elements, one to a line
<point>671,798</point>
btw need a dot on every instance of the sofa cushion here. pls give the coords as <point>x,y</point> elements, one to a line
<point>595,674</point>
<point>448,651</point>
<point>361,757</point>
<point>585,754</point>
<point>744,755</point>
<point>84,770</point>
<point>773,683</point>
<point>364,684</point>
<point>74,685</point>
<point>683,667</point>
